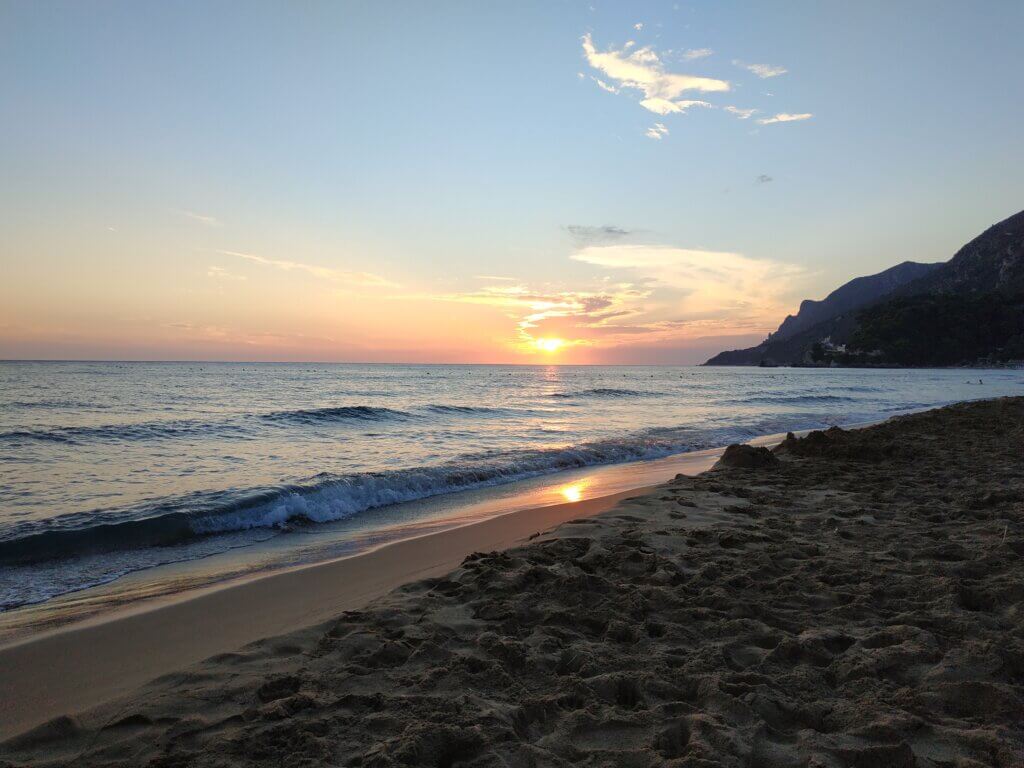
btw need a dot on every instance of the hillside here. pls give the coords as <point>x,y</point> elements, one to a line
<point>787,343</point>
<point>969,310</point>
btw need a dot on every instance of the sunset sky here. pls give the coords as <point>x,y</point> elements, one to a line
<point>482,182</point>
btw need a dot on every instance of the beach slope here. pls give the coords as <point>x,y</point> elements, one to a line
<point>853,598</point>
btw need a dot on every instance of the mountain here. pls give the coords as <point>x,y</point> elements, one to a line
<point>851,296</point>
<point>857,293</point>
<point>969,310</point>
<point>993,261</point>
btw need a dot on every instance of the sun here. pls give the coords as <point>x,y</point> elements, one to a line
<point>549,344</point>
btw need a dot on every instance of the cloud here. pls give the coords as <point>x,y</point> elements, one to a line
<point>642,70</point>
<point>700,288</point>
<point>666,107</point>
<point>210,221</point>
<point>587,235</point>
<point>763,179</point>
<point>219,273</point>
<point>532,308</point>
<point>742,114</point>
<point>763,71</point>
<point>656,131</point>
<point>784,117</point>
<point>604,86</point>
<point>638,26</point>
<point>326,273</point>
<point>646,294</point>
<point>696,53</point>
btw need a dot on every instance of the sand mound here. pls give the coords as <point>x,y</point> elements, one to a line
<point>746,457</point>
<point>827,613</point>
<point>838,444</point>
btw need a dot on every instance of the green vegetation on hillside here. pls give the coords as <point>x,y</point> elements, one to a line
<point>940,329</point>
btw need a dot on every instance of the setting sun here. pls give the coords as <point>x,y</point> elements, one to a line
<point>549,344</point>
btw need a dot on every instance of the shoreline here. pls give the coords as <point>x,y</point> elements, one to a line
<point>80,664</point>
<point>181,580</point>
<point>850,598</point>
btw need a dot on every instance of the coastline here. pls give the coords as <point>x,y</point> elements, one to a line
<point>851,562</point>
<point>80,664</point>
<point>84,664</point>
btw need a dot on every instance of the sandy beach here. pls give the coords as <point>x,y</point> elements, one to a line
<point>852,598</point>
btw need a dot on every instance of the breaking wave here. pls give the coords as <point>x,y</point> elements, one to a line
<point>323,499</point>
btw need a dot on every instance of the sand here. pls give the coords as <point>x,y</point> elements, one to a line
<point>94,661</point>
<point>849,599</point>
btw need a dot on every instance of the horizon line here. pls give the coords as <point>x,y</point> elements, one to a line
<point>342,362</point>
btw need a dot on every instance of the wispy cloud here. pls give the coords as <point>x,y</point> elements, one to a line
<point>220,273</point>
<point>533,308</point>
<point>785,117</point>
<point>325,273</point>
<point>642,293</point>
<point>604,86</point>
<point>696,53</point>
<point>209,221</point>
<point>638,26</point>
<point>735,291</point>
<point>666,107</point>
<point>764,71</point>
<point>589,235</point>
<point>656,131</point>
<point>641,69</point>
<point>742,114</point>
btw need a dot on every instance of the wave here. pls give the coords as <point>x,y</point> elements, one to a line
<point>74,435</point>
<point>789,400</point>
<point>325,498</point>
<point>55,404</point>
<point>604,392</point>
<point>335,413</point>
<point>123,432</point>
<point>472,410</point>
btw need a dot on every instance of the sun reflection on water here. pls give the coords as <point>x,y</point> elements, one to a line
<point>574,491</point>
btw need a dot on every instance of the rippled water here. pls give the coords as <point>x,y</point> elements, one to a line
<point>111,467</point>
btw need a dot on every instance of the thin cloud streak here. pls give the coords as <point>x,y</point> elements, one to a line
<point>666,107</point>
<point>784,117</point>
<point>588,235</point>
<point>220,273</point>
<point>742,114</point>
<point>764,71</point>
<point>209,221</point>
<point>325,273</point>
<point>696,53</point>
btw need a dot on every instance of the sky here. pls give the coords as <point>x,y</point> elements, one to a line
<point>530,182</point>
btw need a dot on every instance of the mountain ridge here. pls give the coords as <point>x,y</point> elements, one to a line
<point>900,316</point>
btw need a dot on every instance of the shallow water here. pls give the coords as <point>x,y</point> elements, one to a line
<point>110,468</point>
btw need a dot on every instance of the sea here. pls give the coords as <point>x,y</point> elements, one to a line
<point>109,469</point>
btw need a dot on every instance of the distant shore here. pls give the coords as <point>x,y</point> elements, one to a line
<point>853,598</point>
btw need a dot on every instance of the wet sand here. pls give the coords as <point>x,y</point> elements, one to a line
<point>854,598</point>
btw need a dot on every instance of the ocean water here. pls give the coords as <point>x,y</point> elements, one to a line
<point>111,468</point>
